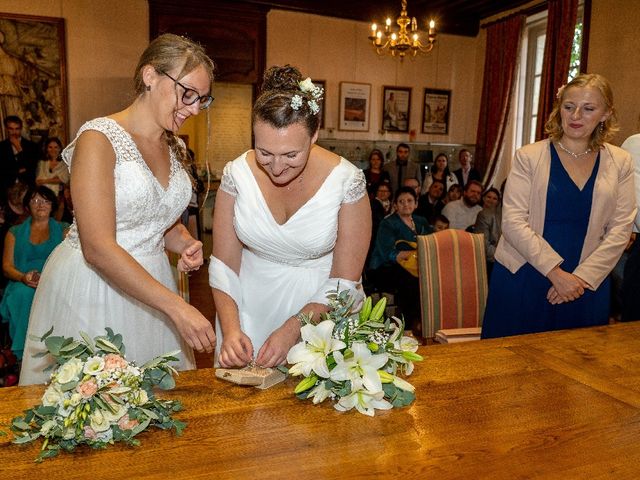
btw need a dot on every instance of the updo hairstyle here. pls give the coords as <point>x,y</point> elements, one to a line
<point>167,53</point>
<point>273,106</point>
<point>603,132</point>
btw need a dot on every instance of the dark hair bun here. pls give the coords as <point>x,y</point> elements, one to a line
<point>284,79</point>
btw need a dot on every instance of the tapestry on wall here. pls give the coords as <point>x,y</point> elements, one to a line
<point>32,74</point>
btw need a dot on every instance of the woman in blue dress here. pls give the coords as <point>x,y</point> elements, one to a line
<point>27,246</point>
<point>568,209</point>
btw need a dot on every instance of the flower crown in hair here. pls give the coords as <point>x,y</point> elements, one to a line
<point>560,90</point>
<point>307,87</point>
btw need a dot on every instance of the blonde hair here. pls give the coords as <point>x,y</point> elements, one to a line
<point>603,132</point>
<point>167,53</point>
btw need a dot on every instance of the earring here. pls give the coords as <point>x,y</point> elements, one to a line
<point>601,127</point>
<point>148,88</point>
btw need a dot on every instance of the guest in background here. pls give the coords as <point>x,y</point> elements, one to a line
<point>51,171</point>
<point>18,156</point>
<point>567,213</point>
<point>489,223</point>
<point>441,223</point>
<point>381,206</point>
<point>440,172</point>
<point>462,213</point>
<point>375,175</point>
<point>631,278</point>
<point>466,172</point>
<point>26,248</point>
<point>453,193</point>
<point>412,183</point>
<point>402,167</point>
<point>430,204</point>
<point>67,210</point>
<point>384,267</point>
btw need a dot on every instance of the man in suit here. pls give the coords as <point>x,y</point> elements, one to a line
<point>402,168</point>
<point>466,172</point>
<point>430,204</point>
<point>18,156</point>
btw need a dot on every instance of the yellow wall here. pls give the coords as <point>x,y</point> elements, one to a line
<point>614,51</point>
<point>104,41</point>
<point>338,50</point>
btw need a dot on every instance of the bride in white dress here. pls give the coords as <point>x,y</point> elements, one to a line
<point>291,222</point>
<point>128,188</point>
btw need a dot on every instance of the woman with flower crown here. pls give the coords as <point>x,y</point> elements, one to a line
<point>292,222</point>
<point>567,213</point>
<point>129,186</point>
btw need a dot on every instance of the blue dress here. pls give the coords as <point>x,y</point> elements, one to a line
<point>18,297</point>
<point>517,303</point>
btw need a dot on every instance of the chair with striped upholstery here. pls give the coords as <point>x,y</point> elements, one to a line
<point>453,280</point>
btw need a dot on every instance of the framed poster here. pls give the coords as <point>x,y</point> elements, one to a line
<point>322,84</point>
<point>33,83</point>
<point>396,107</point>
<point>435,112</point>
<point>355,103</point>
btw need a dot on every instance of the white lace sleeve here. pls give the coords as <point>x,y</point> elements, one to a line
<point>226,183</point>
<point>356,189</point>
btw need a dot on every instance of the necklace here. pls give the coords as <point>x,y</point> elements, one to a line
<point>573,154</point>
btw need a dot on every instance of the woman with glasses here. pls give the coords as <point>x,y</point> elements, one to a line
<point>129,186</point>
<point>26,248</point>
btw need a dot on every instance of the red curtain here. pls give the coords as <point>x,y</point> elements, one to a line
<point>561,25</point>
<point>501,59</point>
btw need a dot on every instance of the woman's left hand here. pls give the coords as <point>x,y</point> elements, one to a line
<point>192,257</point>
<point>275,349</point>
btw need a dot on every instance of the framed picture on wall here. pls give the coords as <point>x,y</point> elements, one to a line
<point>322,84</point>
<point>355,104</point>
<point>396,107</point>
<point>435,111</point>
<point>33,83</point>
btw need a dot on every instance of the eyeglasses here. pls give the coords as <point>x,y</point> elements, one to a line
<point>190,96</point>
<point>40,201</point>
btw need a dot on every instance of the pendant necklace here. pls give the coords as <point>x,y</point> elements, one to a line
<point>573,154</point>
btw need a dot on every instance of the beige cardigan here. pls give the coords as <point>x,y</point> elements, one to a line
<point>613,210</point>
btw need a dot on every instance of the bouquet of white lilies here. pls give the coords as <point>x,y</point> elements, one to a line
<point>354,358</point>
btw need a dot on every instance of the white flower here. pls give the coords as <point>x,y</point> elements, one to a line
<point>75,399</point>
<point>46,427</point>
<point>52,396</point>
<point>306,85</point>
<point>139,397</point>
<point>296,102</point>
<point>407,344</point>
<point>361,369</point>
<point>364,401</point>
<point>319,393</point>
<point>69,433</point>
<point>313,105</point>
<point>114,417</point>
<point>69,371</point>
<point>93,365</point>
<point>98,421</point>
<point>311,353</point>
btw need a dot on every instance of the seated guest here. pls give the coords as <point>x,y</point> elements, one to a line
<point>568,209</point>
<point>412,183</point>
<point>462,213</point>
<point>453,193</point>
<point>441,223</point>
<point>375,175</point>
<point>466,172</point>
<point>430,205</point>
<point>26,249</point>
<point>489,223</point>
<point>385,270</point>
<point>439,172</point>
<point>51,171</point>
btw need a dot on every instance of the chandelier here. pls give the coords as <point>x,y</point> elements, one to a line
<point>406,40</point>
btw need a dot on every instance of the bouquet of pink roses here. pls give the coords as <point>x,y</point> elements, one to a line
<point>96,397</point>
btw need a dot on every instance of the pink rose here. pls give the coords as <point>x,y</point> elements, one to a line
<point>88,388</point>
<point>125,423</point>
<point>113,361</point>
<point>90,433</point>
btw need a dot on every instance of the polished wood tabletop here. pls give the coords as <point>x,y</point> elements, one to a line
<point>554,405</point>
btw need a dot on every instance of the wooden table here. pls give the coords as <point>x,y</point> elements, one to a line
<point>555,405</point>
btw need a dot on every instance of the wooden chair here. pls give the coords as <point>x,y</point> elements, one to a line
<point>453,280</point>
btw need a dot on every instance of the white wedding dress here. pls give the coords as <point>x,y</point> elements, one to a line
<point>73,297</point>
<point>283,267</point>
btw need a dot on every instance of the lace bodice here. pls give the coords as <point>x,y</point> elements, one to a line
<point>310,234</point>
<point>144,209</point>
